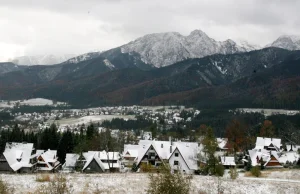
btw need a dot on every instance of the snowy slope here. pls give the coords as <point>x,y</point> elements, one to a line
<point>287,42</point>
<point>163,49</point>
<point>83,57</point>
<point>247,46</point>
<point>41,59</point>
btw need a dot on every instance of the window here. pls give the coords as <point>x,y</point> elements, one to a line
<point>162,146</point>
<point>176,154</point>
<point>152,154</point>
<point>176,162</point>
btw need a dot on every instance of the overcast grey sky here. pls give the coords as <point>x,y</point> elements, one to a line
<point>37,27</point>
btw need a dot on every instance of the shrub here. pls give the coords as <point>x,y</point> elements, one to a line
<point>146,167</point>
<point>220,170</point>
<point>233,173</point>
<point>255,171</point>
<point>168,183</point>
<point>42,178</point>
<point>58,185</point>
<point>249,165</point>
<point>134,167</point>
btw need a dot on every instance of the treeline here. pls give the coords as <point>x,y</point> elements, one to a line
<point>117,123</point>
<point>88,139</point>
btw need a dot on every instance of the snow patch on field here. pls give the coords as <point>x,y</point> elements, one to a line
<point>93,119</point>
<point>29,102</point>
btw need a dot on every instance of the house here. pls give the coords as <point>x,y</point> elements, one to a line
<point>271,144</point>
<point>130,154</point>
<point>18,157</point>
<point>101,161</point>
<point>47,161</point>
<point>273,161</point>
<point>70,163</point>
<point>93,163</point>
<point>111,160</point>
<point>228,161</point>
<point>183,157</point>
<point>153,152</point>
<point>269,159</point>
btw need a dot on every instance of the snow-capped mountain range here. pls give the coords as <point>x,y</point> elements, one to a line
<point>163,49</point>
<point>41,59</point>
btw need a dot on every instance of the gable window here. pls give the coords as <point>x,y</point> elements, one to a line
<point>176,154</point>
<point>176,162</point>
<point>162,146</point>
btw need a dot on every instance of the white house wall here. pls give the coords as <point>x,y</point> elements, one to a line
<point>182,165</point>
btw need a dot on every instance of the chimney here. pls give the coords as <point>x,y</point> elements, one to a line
<point>170,140</point>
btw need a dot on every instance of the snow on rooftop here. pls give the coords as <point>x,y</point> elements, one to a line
<point>221,142</point>
<point>261,142</point>
<point>189,152</point>
<point>227,161</point>
<point>71,160</point>
<point>18,155</point>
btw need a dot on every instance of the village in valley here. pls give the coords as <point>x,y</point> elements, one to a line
<point>140,140</point>
<point>147,155</point>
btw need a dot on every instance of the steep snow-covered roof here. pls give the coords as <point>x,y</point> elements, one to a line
<point>90,157</point>
<point>71,160</point>
<point>18,155</point>
<point>289,157</point>
<point>257,155</point>
<point>222,142</point>
<point>132,150</point>
<point>261,142</point>
<point>50,159</point>
<point>144,146</point>
<point>50,156</point>
<point>162,148</point>
<point>189,151</point>
<point>37,153</point>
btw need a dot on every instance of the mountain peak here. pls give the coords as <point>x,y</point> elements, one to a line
<point>289,42</point>
<point>197,32</point>
<point>294,38</point>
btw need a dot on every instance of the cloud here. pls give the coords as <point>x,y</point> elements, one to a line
<point>35,27</point>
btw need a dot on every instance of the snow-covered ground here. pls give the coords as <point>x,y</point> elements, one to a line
<point>268,112</point>
<point>29,102</point>
<point>138,183</point>
<point>88,119</point>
